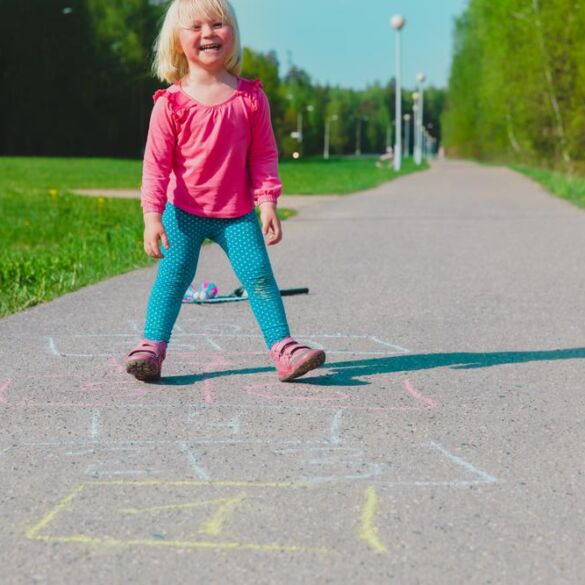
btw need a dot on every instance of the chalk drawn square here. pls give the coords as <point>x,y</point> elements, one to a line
<point>265,517</point>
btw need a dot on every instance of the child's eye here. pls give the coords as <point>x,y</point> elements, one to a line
<point>218,25</point>
<point>195,27</point>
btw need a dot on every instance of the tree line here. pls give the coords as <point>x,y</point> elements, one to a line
<point>517,85</point>
<point>76,81</point>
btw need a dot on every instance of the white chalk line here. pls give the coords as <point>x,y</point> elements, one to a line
<point>53,347</point>
<point>213,344</point>
<point>335,429</point>
<point>203,474</point>
<point>200,471</point>
<point>486,477</point>
<point>94,431</point>
<point>54,350</point>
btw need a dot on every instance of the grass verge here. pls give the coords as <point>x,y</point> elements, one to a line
<point>570,188</point>
<point>339,175</point>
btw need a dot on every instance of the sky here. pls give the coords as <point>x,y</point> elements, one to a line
<point>350,42</point>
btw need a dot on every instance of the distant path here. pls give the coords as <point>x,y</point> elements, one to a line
<point>443,443</point>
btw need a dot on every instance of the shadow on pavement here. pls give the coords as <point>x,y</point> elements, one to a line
<point>348,373</point>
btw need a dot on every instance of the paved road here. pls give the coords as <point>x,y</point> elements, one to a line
<point>443,444</point>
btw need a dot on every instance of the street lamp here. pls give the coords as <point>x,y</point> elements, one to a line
<point>327,134</point>
<point>418,154</point>
<point>298,133</point>
<point>397,22</point>
<point>406,135</point>
<point>358,137</point>
<point>300,121</point>
<point>415,110</point>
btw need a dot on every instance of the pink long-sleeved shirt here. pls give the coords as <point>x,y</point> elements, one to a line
<point>212,161</point>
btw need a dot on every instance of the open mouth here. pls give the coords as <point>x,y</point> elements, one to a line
<point>210,47</point>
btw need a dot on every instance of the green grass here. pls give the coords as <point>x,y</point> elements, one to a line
<point>570,188</point>
<point>307,177</point>
<point>338,176</point>
<point>69,173</point>
<point>55,242</point>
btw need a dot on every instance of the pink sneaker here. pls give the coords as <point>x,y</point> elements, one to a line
<point>293,359</point>
<point>144,362</point>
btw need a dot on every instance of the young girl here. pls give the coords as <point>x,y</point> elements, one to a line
<point>210,158</point>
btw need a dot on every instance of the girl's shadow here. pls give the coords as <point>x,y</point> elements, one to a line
<point>351,373</point>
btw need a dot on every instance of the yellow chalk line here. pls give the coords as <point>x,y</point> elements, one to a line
<point>171,507</point>
<point>214,525</point>
<point>368,531</point>
<point>33,531</point>
<point>183,544</point>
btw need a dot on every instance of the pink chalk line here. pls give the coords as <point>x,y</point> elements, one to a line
<point>428,402</point>
<point>3,389</point>
<point>217,361</point>
<point>118,367</point>
<point>317,394</point>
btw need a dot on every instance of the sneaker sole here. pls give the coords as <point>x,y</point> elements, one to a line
<point>312,363</point>
<point>143,370</point>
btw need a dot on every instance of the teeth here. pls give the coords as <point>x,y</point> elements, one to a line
<point>206,47</point>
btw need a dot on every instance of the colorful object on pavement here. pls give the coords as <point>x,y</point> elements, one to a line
<point>207,290</point>
<point>239,294</point>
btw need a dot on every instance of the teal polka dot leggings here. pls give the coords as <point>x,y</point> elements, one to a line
<point>241,239</point>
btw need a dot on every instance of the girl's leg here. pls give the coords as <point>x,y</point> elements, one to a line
<point>242,241</point>
<point>176,270</point>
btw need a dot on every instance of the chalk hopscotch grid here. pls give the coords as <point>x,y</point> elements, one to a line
<point>367,531</point>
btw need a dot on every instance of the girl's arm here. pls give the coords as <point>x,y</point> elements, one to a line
<point>156,171</point>
<point>263,165</point>
<point>271,227</point>
<point>263,155</point>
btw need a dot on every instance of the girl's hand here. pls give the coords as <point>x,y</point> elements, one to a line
<point>154,232</point>
<point>270,223</point>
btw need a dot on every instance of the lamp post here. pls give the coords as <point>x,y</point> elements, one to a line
<point>300,121</point>
<point>418,155</point>
<point>327,134</point>
<point>415,111</point>
<point>298,133</point>
<point>406,135</point>
<point>358,136</point>
<point>397,22</point>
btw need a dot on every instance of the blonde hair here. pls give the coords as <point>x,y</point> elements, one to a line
<point>169,63</point>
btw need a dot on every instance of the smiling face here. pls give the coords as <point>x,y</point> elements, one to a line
<point>207,43</point>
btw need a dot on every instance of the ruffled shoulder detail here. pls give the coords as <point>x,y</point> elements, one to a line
<point>158,94</point>
<point>178,103</point>
<point>252,92</point>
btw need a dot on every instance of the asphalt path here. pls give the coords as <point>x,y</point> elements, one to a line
<point>442,443</point>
